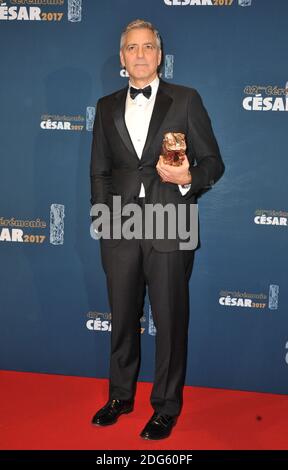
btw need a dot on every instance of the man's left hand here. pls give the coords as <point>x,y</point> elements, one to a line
<point>174,174</point>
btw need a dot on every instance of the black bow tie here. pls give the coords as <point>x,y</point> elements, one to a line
<point>135,91</point>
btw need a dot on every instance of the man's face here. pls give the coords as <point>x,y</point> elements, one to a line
<point>140,55</point>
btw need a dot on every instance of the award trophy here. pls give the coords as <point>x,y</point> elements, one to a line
<point>173,148</point>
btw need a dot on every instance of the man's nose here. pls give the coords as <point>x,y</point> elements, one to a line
<point>140,52</point>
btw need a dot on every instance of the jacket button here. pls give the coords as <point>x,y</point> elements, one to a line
<point>140,167</point>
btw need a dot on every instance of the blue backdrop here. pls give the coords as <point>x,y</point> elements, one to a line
<point>57,60</point>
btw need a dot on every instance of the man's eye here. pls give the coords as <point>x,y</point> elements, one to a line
<point>130,48</point>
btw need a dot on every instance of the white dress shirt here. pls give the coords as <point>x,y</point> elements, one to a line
<point>138,114</point>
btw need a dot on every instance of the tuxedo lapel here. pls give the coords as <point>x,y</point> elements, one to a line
<point>119,119</point>
<point>162,104</point>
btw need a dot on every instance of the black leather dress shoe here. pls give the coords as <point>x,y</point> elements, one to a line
<point>159,426</point>
<point>110,413</point>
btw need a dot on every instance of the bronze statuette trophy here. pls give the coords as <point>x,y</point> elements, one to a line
<point>173,148</point>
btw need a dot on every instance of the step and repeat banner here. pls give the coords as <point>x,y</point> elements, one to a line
<point>58,58</point>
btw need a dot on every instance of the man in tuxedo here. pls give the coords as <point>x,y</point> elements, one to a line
<point>125,161</point>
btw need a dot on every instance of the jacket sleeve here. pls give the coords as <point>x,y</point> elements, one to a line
<point>100,166</point>
<point>203,146</point>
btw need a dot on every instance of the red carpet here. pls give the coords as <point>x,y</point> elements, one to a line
<point>42,411</point>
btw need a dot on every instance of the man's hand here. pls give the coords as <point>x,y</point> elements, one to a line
<point>174,174</point>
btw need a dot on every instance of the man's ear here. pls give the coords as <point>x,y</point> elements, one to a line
<point>122,59</point>
<point>160,57</point>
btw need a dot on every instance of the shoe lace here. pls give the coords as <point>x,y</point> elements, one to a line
<point>113,406</point>
<point>161,419</point>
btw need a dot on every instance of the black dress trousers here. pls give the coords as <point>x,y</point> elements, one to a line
<point>130,267</point>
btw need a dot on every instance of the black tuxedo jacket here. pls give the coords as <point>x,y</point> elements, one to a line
<point>116,169</point>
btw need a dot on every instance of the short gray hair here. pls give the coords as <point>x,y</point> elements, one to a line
<point>140,24</point>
